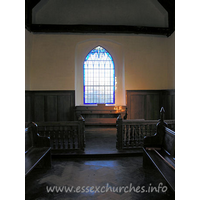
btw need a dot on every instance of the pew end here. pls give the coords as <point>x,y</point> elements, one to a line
<point>159,152</point>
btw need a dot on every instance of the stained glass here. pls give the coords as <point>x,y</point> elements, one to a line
<point>99,77</point>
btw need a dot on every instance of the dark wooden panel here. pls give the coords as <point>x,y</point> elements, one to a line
<point>152,106</point>
<point>167,106</point>
<point>44,106</point>
<point>168,102</point>
<point>172,107</point>
<point>137,107</point>
<point>146,104</point>
<point>63,107</point>
<point>28,110</point>
<point>39,108</point>
<point>50,108</point>
<point>60,105</point>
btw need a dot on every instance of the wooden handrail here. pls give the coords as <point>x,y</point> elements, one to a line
<point>131,132</point>
<point>64,135</point>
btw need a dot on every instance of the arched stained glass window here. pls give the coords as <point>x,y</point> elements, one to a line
<point>99,77</point>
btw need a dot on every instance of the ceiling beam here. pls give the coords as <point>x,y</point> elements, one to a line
<point>100,29</point>
<point>29,5</point>
<point>169,6</point>
<point>32,3</point>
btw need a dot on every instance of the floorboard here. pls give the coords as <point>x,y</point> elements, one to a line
<point>103,171</point>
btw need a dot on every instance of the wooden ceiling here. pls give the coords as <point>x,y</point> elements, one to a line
<point>168,5</point>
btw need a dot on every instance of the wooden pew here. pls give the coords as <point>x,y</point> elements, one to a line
<point>37,149</point>
<point>159,151</point>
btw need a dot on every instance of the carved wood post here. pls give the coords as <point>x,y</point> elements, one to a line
<point>64,138</point>
<point>162,113</point>
<point>82,132</point>
<point>126,114</point>
<point>73,137</point>
<point>119,133</point>
<point>54,139</point>
<point>141,135</point>
<point>137,135</point>
<point>127,135</point>
<point>59,139</point>
<point>134,136</point>
<point>131,136</point>
<point>33,127</point>
<point>161,126</point>
<point>69,138</point>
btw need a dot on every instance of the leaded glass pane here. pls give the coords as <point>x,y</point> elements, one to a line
<point>99,77</point>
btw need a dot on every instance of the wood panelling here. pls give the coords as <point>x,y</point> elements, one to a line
<point>43,106</point>
<point>168,102</point>
<point>136,110</point>
<point>64,110</point>
<point>146,104</point>
<point>51,108</point>
<point>152,106</point>
<point>38,108</point>
<point>28,110</point>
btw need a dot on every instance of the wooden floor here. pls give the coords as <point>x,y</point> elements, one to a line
<point>102,141</point>
<point>96,170</point>
<point>116,172</point>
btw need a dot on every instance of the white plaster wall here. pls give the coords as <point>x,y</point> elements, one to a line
<point>148,60</point>
<point>28,54</point>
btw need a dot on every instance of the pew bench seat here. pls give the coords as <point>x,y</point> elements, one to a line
<point>37,149</point>
<point>159,151</point>
<point>151,158</point>
<point>36,156</point>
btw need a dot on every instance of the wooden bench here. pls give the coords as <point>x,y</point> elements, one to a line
<point>159,151</point>
<point>37,149</point>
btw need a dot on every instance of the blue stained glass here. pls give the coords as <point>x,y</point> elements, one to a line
<point>99,77</point>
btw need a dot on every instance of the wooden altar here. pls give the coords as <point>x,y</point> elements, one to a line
<point>100,114</point>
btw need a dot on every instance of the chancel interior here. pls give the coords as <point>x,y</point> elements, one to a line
<point>100,99</point>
